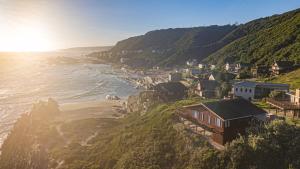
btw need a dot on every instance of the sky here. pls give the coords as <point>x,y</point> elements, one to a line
<point>54,24</point>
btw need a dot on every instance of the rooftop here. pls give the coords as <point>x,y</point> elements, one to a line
<point>234,108</point>
<point>251,84</point>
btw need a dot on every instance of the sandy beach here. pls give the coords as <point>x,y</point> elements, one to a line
<point>95,109</point>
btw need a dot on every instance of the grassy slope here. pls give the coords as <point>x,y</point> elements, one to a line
<point>292,78</point>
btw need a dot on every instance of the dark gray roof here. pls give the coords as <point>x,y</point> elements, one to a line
<point>285,63</point>
<point>234,108</point>
<point>209,84</point>
<point>250,84</point>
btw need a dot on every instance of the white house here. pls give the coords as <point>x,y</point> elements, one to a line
<point>295,97</point>
<point>202,66</point>
<point>255,90</point>
<point>229,67</point>
<point>191,62</point>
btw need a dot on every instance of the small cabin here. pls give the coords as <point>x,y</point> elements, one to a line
<point>224,120</point>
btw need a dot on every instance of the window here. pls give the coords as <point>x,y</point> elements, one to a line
<point>227,124</point>
<point>246,90</point>
<point>236,89</point>
<point>250,90</point>
<point>202,116</point>
<point>208,119</point>
<point>195,114</point>
<point>218,122</point>
<point>241,89</point>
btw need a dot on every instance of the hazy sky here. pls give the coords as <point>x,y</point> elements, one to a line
<point>68,23</point>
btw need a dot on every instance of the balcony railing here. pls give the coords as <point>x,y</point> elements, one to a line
<point>284,104</point>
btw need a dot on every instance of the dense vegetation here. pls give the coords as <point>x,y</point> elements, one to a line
<point>260,41</point>
<point>153,140</point>
<point>265,40</point>
<point>169,47</point>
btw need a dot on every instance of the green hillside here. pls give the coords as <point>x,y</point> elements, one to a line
<point>292,78</point>
<point>265,40</point>
<point>169,47</point>
<point>155,140</point>
<point>260,41</point>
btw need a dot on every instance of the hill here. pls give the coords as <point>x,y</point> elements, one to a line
<point>154,140</point>
<point>260,41</point>
<point>292,78</point>
<point>87,49</point>
<point>169,47</point>
<point>263,41</point>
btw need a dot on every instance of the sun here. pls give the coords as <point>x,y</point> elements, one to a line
<point>30,38</point>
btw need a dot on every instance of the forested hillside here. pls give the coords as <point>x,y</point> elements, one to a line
<point>260,41</point>
<point>169,47</point>
<point>264,40</point>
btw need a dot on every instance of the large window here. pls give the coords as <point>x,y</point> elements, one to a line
<point>208,119</point>
<point>195,114</point>
<point>218,122</point>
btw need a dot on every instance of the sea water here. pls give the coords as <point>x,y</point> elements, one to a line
<point>25,81</point>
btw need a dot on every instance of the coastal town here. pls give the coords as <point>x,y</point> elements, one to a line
<point>232,96</point>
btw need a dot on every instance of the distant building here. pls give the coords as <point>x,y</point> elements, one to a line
<point>240,66</point>
<point>212,67</point>
<point>295,97</point>
<point>282,67</point>
<point>212,76</point>
<point>207,89</point>
<point>258,71</point>
<point>123,60</point>
<point>256,90</point>
<point>193,62</point>
<point>202,66</point>
<point>229,67</point>
<point>224,120</point>
<point>175,77</point>
<point>193,72</point>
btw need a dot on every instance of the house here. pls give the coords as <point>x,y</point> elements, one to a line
<point>202,66</point>
<point>212,76</point>
<point>212,67</point>
<point>193,72</point>
<point>193,62</point>
<point>207,89</point>
<point>175,77</point>
<point>170,91</point>
<point>240,66</point>
<point>295,97</point>
<point>219,76</point>
<point>256,90</point>
<point>229,67</point>
<point>286,106</point>
<point>224,120</point>
<point>260,71</point>
<point>282,67</point>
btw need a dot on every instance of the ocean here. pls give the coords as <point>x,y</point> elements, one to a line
<point>25,80</point>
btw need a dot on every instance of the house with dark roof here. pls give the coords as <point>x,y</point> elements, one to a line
<point>207,88</point>
<point>224,119</point>
<point>255,90</point>
<point>258,71</point>
<point>240,66</point>
<point>282,67</point>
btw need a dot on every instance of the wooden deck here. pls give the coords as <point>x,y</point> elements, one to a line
<point>197,129</point>
<point>283,104</point>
